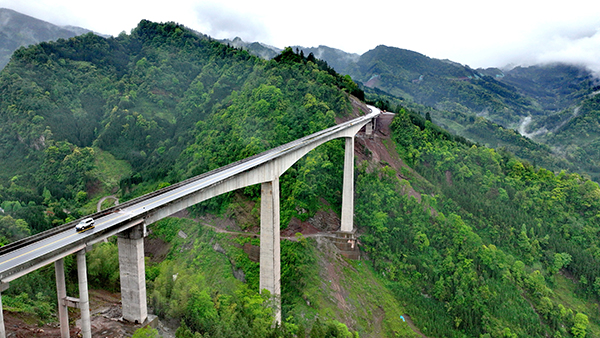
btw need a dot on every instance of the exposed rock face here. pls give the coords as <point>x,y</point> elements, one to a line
<point>325,221</point>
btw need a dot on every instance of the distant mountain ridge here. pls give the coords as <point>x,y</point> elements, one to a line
<point>18,30</point>
<point>257,48</point>
<point>540,101</point>
<point>536,90</point>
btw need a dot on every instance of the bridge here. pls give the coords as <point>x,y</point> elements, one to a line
<point>128,222</point>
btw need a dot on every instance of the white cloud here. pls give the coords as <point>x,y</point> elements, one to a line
<point>473,32</point>
<point>583,49</point>
<point>213,20</point>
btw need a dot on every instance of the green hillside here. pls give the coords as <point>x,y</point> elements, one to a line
<point>492,247</point>
<point>488,248</point>
<point>491,106</point>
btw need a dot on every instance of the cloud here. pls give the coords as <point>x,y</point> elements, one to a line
<point>218,21</point>
<point>580,48</point>
<point>472,32</point>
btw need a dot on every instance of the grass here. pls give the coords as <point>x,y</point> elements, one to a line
<point>381,307</point>
<point>109,170</point>
<point>350,292</point>
<point>564,294</point>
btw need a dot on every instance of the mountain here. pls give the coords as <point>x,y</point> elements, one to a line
<point>458,239</point>
<point>17,30</point>
<point>553,86</point>
<point>338,59</point>
<point>545,103</point>
<point>256,48</point>
<point>89,116</point>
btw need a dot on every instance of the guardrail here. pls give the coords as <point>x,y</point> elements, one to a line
<point>266,154</point>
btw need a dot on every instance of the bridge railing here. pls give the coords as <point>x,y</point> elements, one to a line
<point>50,232</point>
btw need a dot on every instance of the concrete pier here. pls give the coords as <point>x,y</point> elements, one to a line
<point>61,292</point>
<point>348,189</point>
<point>84,300</point>
<point>133,274</point>
<point>2,330</point>
<point>270,269</point>
<point>3,287</point>
<point>369,129</point>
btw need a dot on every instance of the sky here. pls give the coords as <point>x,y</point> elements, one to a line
<point>477,33</point>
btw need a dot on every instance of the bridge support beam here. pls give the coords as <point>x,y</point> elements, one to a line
<point>133,274</point>
<point>369,128</point>
<point>3,287</point>
<point>2,330</point>
<point>84,300</point>
<point>61,291</point>
<point>270,269</point>
<point>348,188</point>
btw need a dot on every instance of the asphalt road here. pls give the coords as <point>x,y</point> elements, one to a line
<point>47,249</point>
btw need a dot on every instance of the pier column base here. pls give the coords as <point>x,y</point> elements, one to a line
<point>133,274</point>
<point>61,292</point>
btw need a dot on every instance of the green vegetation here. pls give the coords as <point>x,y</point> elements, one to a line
<point>208,283</point>
<point>84,117</point>
<point>482,251</point>
<point>442,84</point>
<point>495,246</point>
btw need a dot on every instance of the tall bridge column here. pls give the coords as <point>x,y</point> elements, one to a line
<point>61,291</point>
<point>270,269</point>
<point>348,189</point>
<point>133,274</point>
<point>84,300</point>
<point>3,287</point>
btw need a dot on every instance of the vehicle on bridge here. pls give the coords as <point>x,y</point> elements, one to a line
<point>85,224</point>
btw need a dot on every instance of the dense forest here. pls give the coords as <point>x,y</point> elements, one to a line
<point>493,242</point>
<point>494,246</point>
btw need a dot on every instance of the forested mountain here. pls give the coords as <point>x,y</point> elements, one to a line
<point>18,30</point>
<point>466,240</point>
<point>536,101</point>
<point>256,48</point>
<point>338,59</point>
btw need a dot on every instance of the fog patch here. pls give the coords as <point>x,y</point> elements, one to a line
<point>220,22</point>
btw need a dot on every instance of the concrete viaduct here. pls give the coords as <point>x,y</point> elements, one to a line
<point>129,220</point>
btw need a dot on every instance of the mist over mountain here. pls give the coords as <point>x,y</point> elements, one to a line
<point>340,60</point>
<point>259,49</point>
<point>18,30</point>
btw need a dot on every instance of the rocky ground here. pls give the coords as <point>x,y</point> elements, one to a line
<point>105,308</point>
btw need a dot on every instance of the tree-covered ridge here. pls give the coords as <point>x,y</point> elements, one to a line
<point>440,83</point>
<point>554,86</point>
<point>165,100</point>
<point>485,251</point>
<point>162,104</point>
<point>576,135</point>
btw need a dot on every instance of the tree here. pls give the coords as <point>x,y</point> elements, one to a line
<point>12,229</point>
<point>580,325</point>
<point>146,332</point>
